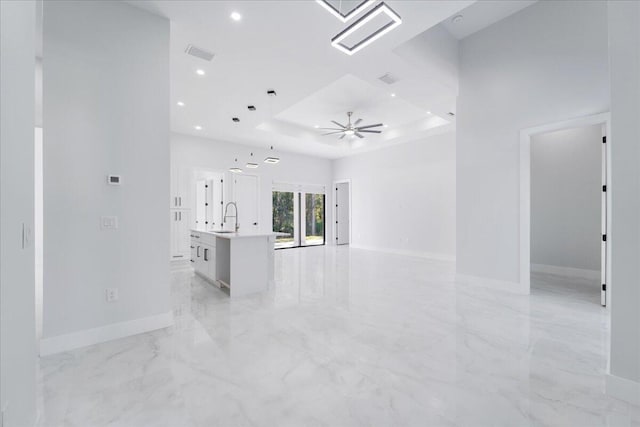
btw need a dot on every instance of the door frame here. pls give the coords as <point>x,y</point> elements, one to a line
<point>334,192</point>
<point>603,119</point>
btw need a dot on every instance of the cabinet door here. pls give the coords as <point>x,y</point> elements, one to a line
<point>199,259</point>
<point>183,239</point>
<point>179,188</point>
<point>208,256</point>
<point>180,241</point>
<point>175,251</point>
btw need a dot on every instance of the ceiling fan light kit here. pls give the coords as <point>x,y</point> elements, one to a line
<point>351,129</point>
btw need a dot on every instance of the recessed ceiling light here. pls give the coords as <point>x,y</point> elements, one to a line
<point>251,107</point>
<point>272,160</point>
<point>236,16</point>
<point>197,127</point>
<point>180,104</point>
<point>393,95</point>
<point>235,170</point>
<point>235,119</point>
<point>200,72</point>
<point>252,165</point>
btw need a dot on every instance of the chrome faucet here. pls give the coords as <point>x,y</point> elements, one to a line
<point>231,216</point>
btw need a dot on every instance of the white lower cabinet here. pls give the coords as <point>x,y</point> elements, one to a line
<point>203,255</point>
<point>179,234</point>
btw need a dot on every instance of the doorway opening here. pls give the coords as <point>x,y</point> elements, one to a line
<point>564,178</point>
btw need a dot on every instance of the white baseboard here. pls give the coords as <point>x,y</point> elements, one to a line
<point>494,284</point>
<point>427,255</point>
<point>105,333</point>
<point>567,271</point>
<point>623,389</point>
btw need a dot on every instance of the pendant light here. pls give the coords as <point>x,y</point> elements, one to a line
<point>235,169</point>
<point>272,159</point>
<point>251,164</point>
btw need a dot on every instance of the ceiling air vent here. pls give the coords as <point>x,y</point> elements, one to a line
<point>388,78</point>
<point>199,53</point>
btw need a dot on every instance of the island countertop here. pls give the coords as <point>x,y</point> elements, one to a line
<point>240,235</point>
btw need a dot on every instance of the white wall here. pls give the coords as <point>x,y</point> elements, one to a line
<point>106,111</point>
<point>188,152</point>
<point>403,197</point>
<point>544,64</point>
<point>17,116</point>
<point>566,193</point>
<point>624,42</point>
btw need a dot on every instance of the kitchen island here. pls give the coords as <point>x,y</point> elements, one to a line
<point>241,262</point>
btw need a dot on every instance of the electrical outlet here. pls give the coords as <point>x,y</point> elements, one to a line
<point>109,222</point>
<point>111,294</point>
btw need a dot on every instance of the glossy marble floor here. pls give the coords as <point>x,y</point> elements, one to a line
<point>349,338</point>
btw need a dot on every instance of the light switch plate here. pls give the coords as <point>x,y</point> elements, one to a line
<point>109,222</point>
<point>111,294</point>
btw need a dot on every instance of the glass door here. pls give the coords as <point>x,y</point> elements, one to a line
<point>313,219</point>
<point>301,215</point>
<point>285,212</point>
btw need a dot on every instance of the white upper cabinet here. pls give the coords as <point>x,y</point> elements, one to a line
<point>179,194</point>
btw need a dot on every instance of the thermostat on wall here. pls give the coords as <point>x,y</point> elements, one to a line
<point>114,179</point>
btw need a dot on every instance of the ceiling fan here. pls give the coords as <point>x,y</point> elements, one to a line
<point>351,129</point>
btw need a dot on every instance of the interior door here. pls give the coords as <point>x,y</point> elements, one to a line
<point>342,214</point>
<point>246,198</point>
<point>603,216</point>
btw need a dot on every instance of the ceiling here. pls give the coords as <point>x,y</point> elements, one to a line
<point>285,46</point>
<point>482,14</point>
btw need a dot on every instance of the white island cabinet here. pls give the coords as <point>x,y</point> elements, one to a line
<point>241,262</point>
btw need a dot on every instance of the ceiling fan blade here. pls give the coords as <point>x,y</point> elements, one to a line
<point>370,131</point>
<point>332,133</point>
<point>343,135</point>
<point>358,135</point>
<point>357,121</point>
<point>370,126</point>
<point>334,122</point>
<point>331,129</point>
